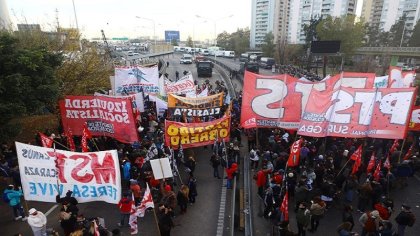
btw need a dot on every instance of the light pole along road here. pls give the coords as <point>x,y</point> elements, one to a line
<point>215,22</point>
<point>154,29</point>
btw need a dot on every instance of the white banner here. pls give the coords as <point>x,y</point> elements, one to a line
<point>129,80</point>
<point>183,86</point>
<point>91,176</point>
<point>138,99</point>
<point>161,105</point>
<point>203,93</point>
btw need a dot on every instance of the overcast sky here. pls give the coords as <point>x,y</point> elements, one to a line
<point>118,17</point>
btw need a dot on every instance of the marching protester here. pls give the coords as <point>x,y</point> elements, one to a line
<point>215,162</point>
<point>124,206</point>
<point>165,220</point>
<point>192,186</point>
<point>405,218</point>
<point>13,197</point>
<point>182,198</point>
<point>303,217</point>
<point>38,222</point>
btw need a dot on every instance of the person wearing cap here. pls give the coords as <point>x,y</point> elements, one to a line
<point>169,197</point>
<point>136,190</point>
<point>404,218</point>
<point>38,222</point>
<point>370,222</point>
<point>14,202</point>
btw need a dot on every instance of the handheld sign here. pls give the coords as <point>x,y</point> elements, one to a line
<point>161,168</point>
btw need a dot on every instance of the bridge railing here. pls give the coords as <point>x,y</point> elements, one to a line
<point>390,49</point>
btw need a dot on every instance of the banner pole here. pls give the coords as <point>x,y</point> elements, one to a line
<point>402,148</point>
<point>62,145</point>
<point>345,164</point>
<point>156,220</point>
<point>94,142</point>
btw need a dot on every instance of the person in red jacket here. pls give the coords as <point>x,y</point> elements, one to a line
<point>125,207</point>
<point>384,213</point>
<point>230,172</point>
<point>261,181</point>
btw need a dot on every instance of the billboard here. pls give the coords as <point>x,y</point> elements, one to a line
<point>170,35</point>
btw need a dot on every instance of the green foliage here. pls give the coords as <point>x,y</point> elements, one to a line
<point>237,41</point>
<point>396,32</point>
<point>415,37</point>
<point>344,29</point>
<point>27,82</point>
<point>174,42</point>
<point>190,42</point>
<point>310,32</point>
<point>84,73</point>
<point>268,47</point>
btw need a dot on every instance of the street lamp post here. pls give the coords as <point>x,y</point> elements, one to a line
<point>154,28</point>
<point>214,21</point>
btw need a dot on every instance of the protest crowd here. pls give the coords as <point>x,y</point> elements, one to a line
<point>313,175</point>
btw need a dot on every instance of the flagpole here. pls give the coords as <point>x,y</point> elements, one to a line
<point>156,219</point>
<point>402,148</point>
<point>62,145</point>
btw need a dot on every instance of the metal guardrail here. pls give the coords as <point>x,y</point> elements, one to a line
<point>390,50</point>
<point>156,54</point>
<point>247,197</point>
<point>225,76</point>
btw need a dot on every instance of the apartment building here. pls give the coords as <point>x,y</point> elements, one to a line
<point>262,21</point>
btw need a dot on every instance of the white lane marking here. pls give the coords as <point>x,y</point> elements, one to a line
<point>51,210</point>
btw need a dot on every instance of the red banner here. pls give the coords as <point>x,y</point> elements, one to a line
<point>105,116</point>
<point>294,156</point>
<point>196,134</point>
<point>279,101</point>
<point>415,119</point>
<point>358,113</point>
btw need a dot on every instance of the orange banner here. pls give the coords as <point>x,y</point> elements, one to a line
<point>196,134</point>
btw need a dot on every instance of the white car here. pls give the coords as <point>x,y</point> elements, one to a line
<point>186,59</point>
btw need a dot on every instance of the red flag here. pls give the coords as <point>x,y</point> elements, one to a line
<point>357,164</point>
<point>387,164</point>
<point>132,221</point>
<point>85,135</point>
<point>371,164</point>
<point>357,154</point>
<point>376,174</point>
<point>407,156</point>
<point>394,146</point>
<point>70,141</point>
<point>146,202</point>
<point>294,154</point>
<point>45,140</point>
<point>284,208</point>
<point>96,229</point>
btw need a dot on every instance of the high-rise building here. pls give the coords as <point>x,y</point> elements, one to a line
<point>262,21</point>
<point>302,11</point>
<point>286,18</point>
<point>384,13</point>
<point>5,22</point>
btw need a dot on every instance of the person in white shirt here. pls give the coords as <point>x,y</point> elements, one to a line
<point>38,222</point>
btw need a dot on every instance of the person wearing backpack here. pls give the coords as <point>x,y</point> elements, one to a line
<point>370,223</point>
<point>404,219</point>
<point>12,197</point>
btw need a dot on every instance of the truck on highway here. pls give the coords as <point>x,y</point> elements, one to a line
<point>267,62</point>
<point>204,68</point>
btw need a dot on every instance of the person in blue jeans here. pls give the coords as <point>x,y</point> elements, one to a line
<point>14,201</point>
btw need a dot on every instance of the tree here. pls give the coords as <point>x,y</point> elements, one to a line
<point>415,37</point>
<point>174,42</point>
<point>223,40</point>
<point>240,40</point>
<point>190,42</point>
<point>28,85</point>
<point>344,29</point>
<point>396,33</point>
<point>310,35</point>
<point>84,73</point>
<point>268,46</point>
